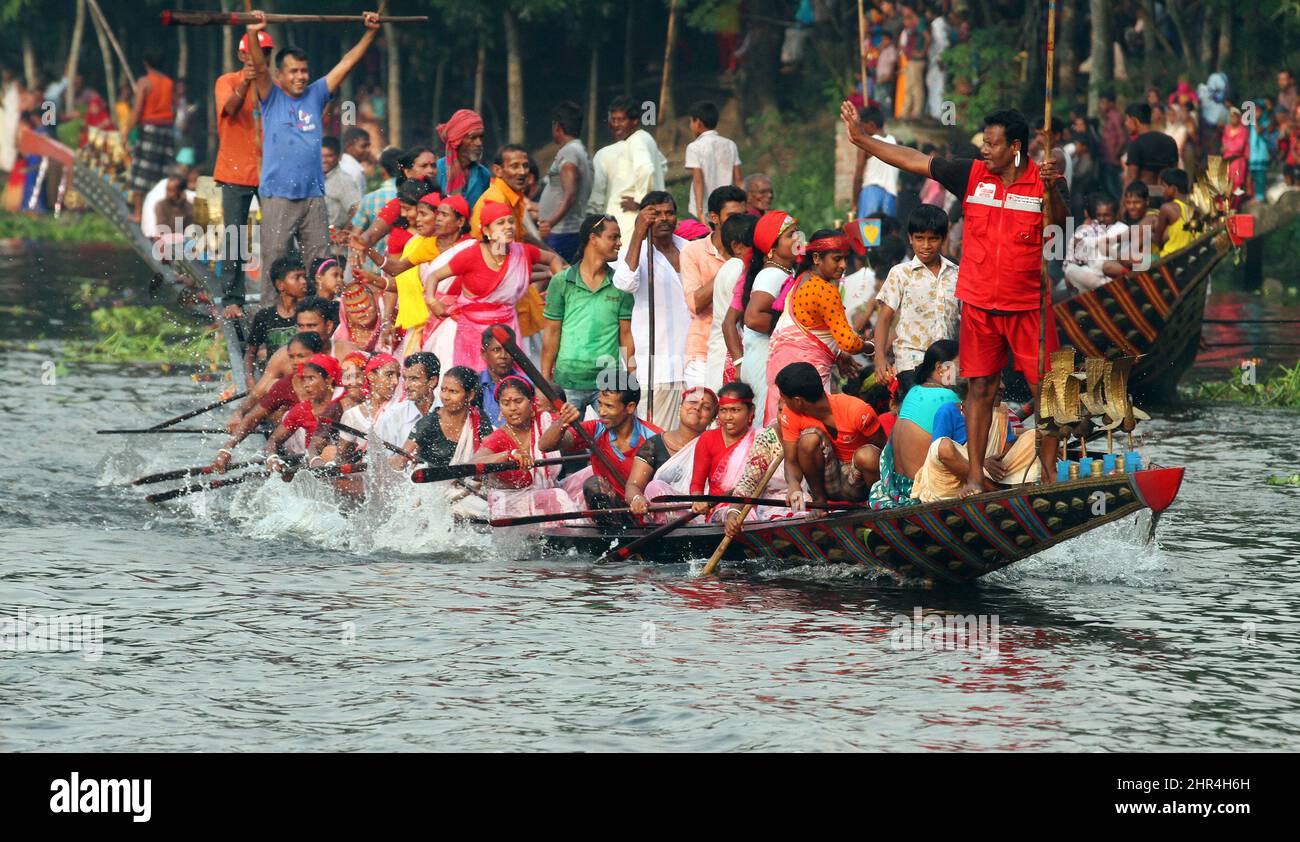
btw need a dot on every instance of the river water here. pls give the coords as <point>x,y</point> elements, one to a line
<point>262,619</point>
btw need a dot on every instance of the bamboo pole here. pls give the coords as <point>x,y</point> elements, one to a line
<point>744,513</point>
<point>862,52</point>
<point>178,17</point>
<point>74,55</point>
<point>98,14</point>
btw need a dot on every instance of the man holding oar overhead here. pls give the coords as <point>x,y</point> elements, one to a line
<point>292,192</point>
<point>1000,276</point>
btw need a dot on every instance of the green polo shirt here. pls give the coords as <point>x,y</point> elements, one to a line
<point>588,325</point>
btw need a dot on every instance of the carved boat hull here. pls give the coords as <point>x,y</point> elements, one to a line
<point>950,542</point>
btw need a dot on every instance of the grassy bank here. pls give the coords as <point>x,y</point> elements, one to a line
<point>1282,389</point>
<point>79,228</point>
<point>147,335</point>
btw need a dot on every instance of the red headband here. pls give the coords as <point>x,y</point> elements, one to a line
<point>711,393</point>
<point>379,361</point>
<point>528,387</point>
<point>825,244</point>
<point>729,400</point>
<point>325,363</point>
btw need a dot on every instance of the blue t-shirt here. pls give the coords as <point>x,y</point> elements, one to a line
<point>477,180</point>
<point>291,134</point>
<point>950,422</point>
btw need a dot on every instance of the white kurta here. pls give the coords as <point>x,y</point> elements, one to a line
<point>672,319</point>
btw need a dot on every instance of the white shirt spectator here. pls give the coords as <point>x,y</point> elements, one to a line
<point>353,167</point>
<point>879,173</point>
<point>724,288</point>
<point>717,158</point>
<point>672,319</point>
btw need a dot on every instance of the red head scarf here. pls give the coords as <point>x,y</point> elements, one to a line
<point>458,204</point>
<point>491,212</point>
<point>326,363</point>
<point>431,199</point>
<point>453,133</point>
<point>769,229</point>
<point>379,361</point>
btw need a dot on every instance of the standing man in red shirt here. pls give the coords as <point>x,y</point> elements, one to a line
<point>1000,278</point>
<point>239,164</point>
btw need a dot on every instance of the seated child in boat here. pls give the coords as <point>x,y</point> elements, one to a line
<point>910,440</point>
<point>832,441</point>
<point>619,436</point>
<point>1095,245</point>
<point>667,462</point>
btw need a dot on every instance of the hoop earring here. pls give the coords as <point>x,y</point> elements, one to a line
<point>1017,159</point>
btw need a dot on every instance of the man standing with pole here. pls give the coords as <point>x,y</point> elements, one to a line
<point>292,192</point>
<point>1000,281</point>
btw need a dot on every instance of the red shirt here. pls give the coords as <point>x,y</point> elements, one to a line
<point>476,277</point>
<point>397,236</point>
<point>500,441</point>
<point>855,424</point>
<point>280,395</point>
<point>709,450</point>
<point>621,459</point>
<point>301,417</point>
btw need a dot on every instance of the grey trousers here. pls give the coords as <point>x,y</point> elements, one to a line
<point>282,219</point>
<point>236,199</point>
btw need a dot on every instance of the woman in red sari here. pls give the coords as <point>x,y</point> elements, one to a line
<point>493,278</point>
<point>721,453</point>
<point>1236,153</point>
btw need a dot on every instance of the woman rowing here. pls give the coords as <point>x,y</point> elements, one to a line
<point>494,278</point>
<point>812,327</point>
<point>666,463</point>
<point>276,402</point>
<point>381,376</point>
<point>301,424</point>
<point>452,433</point>
<point>722,453</point>
<point>530,490</point>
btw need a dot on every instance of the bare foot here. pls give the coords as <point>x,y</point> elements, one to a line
<point>970,489</point>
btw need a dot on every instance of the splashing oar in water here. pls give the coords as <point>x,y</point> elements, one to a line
<point>442,473</point>
<point>744,513</point>
<point>170,422</point>
<point>323,473</point>
<point>186,473</point>
<point>527,519</point>
<point>198,431</point>
<point>353,431</point>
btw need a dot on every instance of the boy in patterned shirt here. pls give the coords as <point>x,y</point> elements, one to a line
<point>922,293</point>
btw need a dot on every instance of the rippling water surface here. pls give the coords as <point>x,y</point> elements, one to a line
<point>263,619</point>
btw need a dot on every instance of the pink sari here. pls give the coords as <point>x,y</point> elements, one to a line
<point>792,343</point>
<point>475,314</point>
<point>725,474</point>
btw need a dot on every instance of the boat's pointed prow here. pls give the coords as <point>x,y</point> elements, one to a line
<point>1158,487</point>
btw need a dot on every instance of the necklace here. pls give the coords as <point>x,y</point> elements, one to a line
<point>459,430</point>
<point>770,262</point>
<point>528,448</point>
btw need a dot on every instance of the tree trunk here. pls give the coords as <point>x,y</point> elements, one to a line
<point>182,50</point>
<point>214,69</point>
<point>1225,39</point>
<point>393,54</point>
<point>593,95</point>
<point>74,54</point>
<point>758,78</point>
<point>667,133</point>
<point>29,60</point>
<point>227,43</point>
<point>480,70</point>
<point>110,77</point>
<point>629,48</point>
<point>1176,16</point>
<point>1067,59</point>
<point>1206,37</point>
<point>514,81</point>
<point>439,85</point>
<point>1101,74</point>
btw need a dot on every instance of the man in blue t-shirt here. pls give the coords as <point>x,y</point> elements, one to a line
<point>292,191</point>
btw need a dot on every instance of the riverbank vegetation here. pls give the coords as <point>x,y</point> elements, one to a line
<point>1281,389</point>
<point>80,228</point>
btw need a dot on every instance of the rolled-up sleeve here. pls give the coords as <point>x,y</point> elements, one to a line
<point>624,278</point>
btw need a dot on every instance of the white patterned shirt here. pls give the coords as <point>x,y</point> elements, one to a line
<point>926,305</point>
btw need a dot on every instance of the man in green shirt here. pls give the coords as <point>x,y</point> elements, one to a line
<point>588,320</point>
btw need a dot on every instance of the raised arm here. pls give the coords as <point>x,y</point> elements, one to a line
<point>903,157</point>
<point>335,77</point>
<point>263,78</point>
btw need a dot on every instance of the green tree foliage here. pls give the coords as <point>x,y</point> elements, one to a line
<point>982,77</point>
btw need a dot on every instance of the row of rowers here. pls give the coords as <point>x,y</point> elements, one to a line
<point>835,448</point>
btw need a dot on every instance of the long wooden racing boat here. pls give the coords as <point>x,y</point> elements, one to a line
<point>1154,315</point>
<point>949,542</point>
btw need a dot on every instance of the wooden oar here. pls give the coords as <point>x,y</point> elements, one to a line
<point>185,473</point>
<point>188,415</point>
<point>744,513</point>
<point>527,519</point>
<point>620,553</point>
<point>521,359</point>
<point>750,501</point>
<point>353,431</point>
<point>442,473</point>
<point>335,471</point>
<point>185,430</point>
<point>180,17</point>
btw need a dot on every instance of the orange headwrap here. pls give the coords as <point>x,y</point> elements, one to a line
<point>453,133</point>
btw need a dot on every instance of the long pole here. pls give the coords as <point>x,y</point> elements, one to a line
<point>178,17</point>
<point>1047,205</point>
<point>98,15</point>
<point>650,367</point>
<point>862,51</point>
